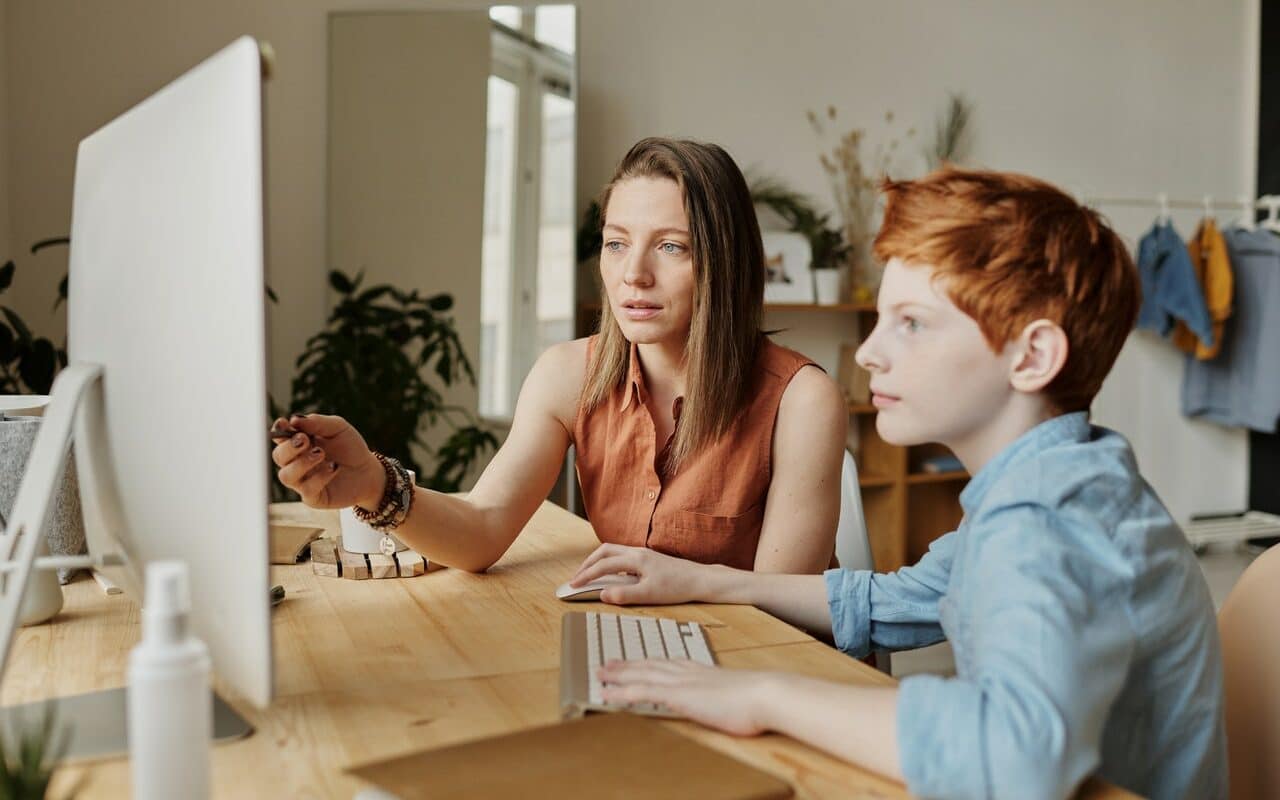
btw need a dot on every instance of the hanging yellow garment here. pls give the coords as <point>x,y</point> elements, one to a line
<point>1208,251</point>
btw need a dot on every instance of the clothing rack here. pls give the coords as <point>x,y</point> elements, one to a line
<point>1162,202</point>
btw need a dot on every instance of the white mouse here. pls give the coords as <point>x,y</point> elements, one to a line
<point>591,591</point>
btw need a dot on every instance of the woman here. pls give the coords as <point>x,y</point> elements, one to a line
<point>695,435</point>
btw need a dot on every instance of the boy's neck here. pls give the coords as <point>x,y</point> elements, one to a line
<point>1022,413</point>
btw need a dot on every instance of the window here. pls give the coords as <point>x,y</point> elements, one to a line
<point>527,269</point>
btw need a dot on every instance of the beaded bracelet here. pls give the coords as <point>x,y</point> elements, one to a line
<point>397,498</point>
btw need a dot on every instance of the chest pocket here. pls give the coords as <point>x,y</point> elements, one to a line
<point>709,538</point>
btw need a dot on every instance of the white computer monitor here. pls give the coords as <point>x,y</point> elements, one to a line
<point>166,385</point>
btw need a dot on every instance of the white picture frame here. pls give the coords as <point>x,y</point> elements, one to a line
<point>788,272</point>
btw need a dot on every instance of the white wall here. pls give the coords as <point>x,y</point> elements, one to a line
<point>73,66</point>
<point>1104,98</point>
<point>6,247</point>
<point>407,105</point>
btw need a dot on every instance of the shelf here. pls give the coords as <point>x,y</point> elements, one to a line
<point>870,479</point>
<point>937,477</point>
<point>844,307</point>
<point>862,408</point>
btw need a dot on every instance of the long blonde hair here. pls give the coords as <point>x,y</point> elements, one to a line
<point>728,295</point>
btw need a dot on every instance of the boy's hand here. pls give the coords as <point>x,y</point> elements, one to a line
<point>663,579</point>
<point>729,700</point>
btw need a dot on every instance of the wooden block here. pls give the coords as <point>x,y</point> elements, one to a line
<point>324,551</point>
<point>353,565</point>
<point>411,563</point>
<point>433,566</point>
<point>325,570</point>
<point>381,566</point>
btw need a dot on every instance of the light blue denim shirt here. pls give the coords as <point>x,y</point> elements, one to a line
<point>1084,635</point>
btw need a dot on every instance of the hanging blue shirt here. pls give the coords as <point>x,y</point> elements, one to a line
<point>1084,634</point>
<point>1170,289</point>
<point>1241,387</point>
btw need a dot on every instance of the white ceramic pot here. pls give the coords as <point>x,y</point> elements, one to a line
<point>826,283</point>
<point>43,599</point>
<point>358,537</point>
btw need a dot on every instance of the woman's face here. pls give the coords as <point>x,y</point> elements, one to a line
<point>646,261</point>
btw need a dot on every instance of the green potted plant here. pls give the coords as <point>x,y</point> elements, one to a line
<point>31,755</point>
<point>28,363</point>
<point>374,364</point>
<point>827,245</point>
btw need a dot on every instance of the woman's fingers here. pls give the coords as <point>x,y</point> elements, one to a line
<point>312,487</point>
<point>602,551</point>
<point>294,472</point>
<point>611,565</point>
<point>322,425</point>
<point>289,449</point>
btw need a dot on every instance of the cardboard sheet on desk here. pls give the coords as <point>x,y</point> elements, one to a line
<point>289,542</point>
<point>598,757</point>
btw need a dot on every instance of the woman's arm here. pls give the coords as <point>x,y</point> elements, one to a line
<point>472,532</point>
<point>328,463</point>
<point>803,504</point>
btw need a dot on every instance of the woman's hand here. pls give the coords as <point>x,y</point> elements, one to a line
<point>328,463</point>
<point>663,579</point>
<point>729,700</point>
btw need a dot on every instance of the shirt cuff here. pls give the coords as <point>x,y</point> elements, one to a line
<point>939,740</point>
<point>849,599</point>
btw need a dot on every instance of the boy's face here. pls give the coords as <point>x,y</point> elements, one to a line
<point>934,378</point>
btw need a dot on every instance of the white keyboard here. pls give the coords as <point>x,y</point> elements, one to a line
<point>590,639</point>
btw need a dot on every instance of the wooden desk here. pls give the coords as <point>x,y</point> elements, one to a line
<point>370,669</point>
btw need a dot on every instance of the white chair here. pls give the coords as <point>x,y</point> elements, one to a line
<point>853,547</point>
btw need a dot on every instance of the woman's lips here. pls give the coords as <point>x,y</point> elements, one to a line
<point>639,313</point>
<point>884,400</point>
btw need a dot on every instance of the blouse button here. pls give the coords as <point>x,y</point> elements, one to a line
<point>652,494</point>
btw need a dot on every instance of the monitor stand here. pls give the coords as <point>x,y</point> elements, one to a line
<point>96,722</point>
<point>97,719</point>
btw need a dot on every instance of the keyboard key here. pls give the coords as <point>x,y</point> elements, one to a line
<point>672,639</point>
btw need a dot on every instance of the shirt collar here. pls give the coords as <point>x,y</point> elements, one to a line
<point>635,380</point>
<point>637,392</point>
<point>1073,427</point>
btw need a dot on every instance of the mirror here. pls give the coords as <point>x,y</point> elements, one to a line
<point>451,158</point>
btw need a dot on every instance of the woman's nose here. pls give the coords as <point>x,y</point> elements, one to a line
<point>636,272</point>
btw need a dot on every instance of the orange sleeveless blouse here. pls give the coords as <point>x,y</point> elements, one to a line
<point>709,511</point>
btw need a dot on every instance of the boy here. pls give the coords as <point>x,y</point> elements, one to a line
<point>1083,632</point>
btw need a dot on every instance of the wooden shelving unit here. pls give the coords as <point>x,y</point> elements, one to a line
<point>906,507</point>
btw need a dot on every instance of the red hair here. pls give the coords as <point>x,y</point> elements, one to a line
<point>1011,250</point>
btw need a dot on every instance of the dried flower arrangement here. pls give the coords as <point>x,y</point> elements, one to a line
<point>854,187</point>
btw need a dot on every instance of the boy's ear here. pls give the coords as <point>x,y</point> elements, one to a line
<point>1042,352</point>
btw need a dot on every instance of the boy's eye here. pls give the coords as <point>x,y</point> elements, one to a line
<point>911,324</point>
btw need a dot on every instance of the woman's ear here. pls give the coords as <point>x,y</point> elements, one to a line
<point>1042,352</point>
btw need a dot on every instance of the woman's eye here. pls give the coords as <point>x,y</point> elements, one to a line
<point>672,249</point>
<point>613,247</point>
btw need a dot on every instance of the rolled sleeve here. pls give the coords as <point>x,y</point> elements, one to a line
<point>1047,656</point>
<point>892,611</point>
<point>849,598</point>
<point>935,760</point>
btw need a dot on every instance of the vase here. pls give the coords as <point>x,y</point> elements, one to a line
<point>826,284</point>
<point>64,529</point>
